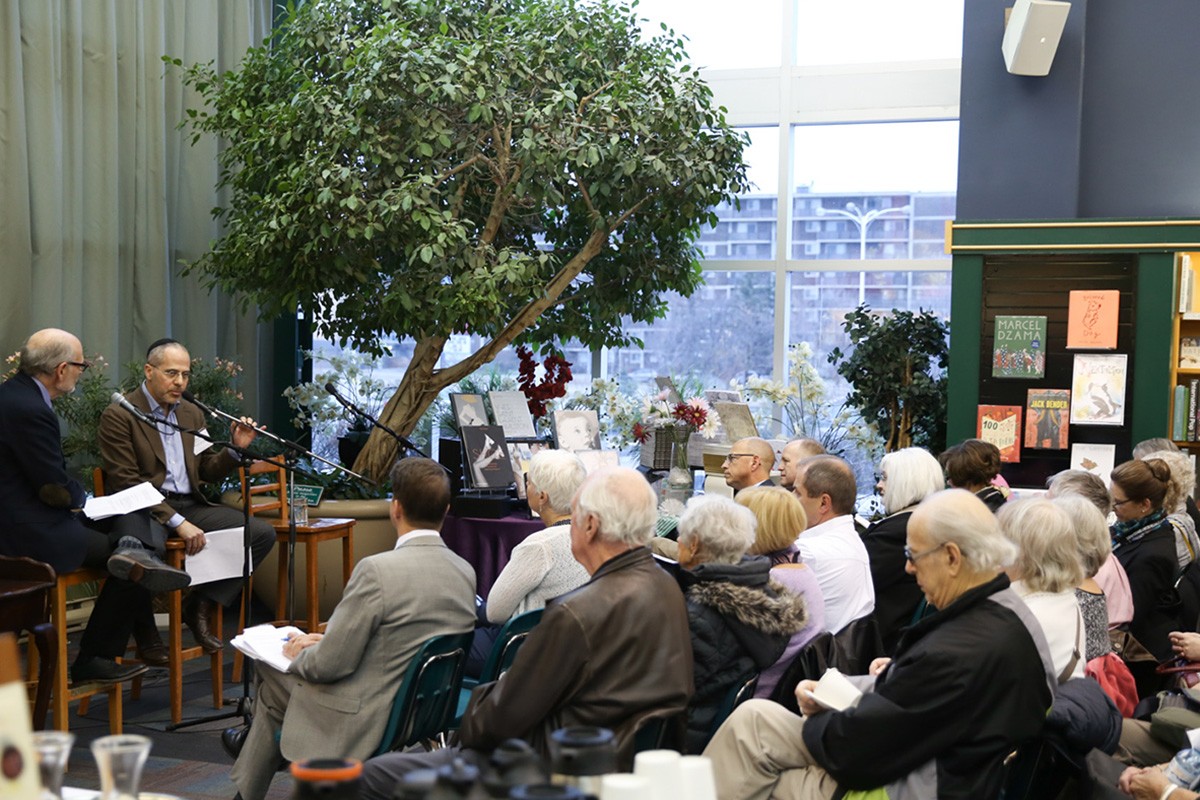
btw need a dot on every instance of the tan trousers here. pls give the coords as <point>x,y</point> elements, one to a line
<point>759,753</point>
<point>1138,748</point>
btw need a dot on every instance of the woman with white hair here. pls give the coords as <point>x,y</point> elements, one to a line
<point>906,477</point>
<point>1091,539</point>
<point>541,567</point>
<point>740,620</point>
<point>1045,573</point>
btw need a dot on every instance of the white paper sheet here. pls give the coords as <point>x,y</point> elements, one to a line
<point>200,444</point>
<point>221,557</point>
<point>135,498</point>
<point>265,643</point>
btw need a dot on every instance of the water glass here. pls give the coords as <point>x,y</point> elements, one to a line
<point>53,749</point>
<point>300,511</point>
<point>120,760</point>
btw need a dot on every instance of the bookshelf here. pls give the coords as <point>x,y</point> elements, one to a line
<point>1185,352</point>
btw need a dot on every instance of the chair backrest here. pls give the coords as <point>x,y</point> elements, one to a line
<point>659,730</point>
<point>810,663</point>
<point>19,568</point>
<point>860,644</point>
<point>741,691</point>
<point>269,495</point>
<point>428,695</point>
<point>512,635</point>
<point>98,482</point>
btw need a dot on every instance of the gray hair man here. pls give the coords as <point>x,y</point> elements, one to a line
<point>613,653</point>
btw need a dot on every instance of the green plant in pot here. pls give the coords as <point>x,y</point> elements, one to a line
<point>531,171</point>
<point>897,374</point>
<point>337,432</point>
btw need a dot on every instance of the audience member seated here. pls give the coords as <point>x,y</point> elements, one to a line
<point>335,698</point>
<point>973,465</point>
<point>541,567</point>
<point>1179,489</point>
<point>1045,573</point>
<point>612,653</point>
<point>749,463</point>
<point>934,721</point>
<point>830,545</point>
<point>1111,577</point>
<point>1093,548</point>
<point>792,454</point>
<point>1144,542</point>
<point>1147,446</point>
<point>779,515</point>
<point>740,622</point>
<point>906,477</point>
<point>1138,746</point>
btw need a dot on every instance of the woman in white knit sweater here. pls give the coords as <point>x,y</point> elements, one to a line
<point>1045,574</point>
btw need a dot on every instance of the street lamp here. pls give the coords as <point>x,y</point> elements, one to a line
<point>862,219</point>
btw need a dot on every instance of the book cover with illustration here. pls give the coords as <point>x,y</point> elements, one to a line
<point>1019,347</point>
<point>1047,414</point>
<point>1098,389</point>
<point>1001,426</point>
<point>1092,319</point>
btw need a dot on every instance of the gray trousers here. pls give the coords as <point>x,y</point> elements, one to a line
<point>260,756</point>
<point>759,752</point>
<point>382,774</point>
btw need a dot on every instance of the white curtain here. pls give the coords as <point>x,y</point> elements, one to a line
<point>102,194</point>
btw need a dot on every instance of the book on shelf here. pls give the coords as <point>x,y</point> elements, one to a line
<point>1189,296</point>
<point>1092,319</point>
<point>1019,347</point>
<point>1189,352</point>
<point>1046,418</point>
<point>1193,386</point>
<point>1179,410</point>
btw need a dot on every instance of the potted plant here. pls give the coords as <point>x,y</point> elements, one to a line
<point>334,428</point>
<point>530,171</point>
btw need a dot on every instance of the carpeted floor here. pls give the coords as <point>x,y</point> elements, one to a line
<point>188,762</point>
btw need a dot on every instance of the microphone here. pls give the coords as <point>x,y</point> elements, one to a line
<point>191,398</point>
<point>119,399</point>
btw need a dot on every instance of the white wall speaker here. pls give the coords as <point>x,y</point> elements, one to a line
<point>1032,34</point>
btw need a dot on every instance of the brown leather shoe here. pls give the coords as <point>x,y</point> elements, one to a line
<point>197,613</point>
<point>154,654</point>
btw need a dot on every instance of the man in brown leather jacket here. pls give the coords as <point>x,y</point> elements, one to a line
<point>611,653</point>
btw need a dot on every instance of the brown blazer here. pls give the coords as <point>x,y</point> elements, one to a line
<point>611,653</point>
<point>132,451</point>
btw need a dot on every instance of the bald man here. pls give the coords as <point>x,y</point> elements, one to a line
<point>749,463</point>
<point>792,454</point>
<point>38,496</point>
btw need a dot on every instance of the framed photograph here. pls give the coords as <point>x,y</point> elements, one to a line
<point>485,457</point>
<point>511,412</point>
<point>469,410</point>
<point>577,429</point>
<point>521,454</point>
<point>737,420</point>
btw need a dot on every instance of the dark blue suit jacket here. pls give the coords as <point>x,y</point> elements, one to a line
<point>36,493</point>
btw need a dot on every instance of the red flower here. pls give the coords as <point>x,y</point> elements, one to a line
<point>557,374</point>
<point>640,433</point>
<point>693,416</point>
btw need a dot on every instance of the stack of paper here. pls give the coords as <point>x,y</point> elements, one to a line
<point>265,643</point>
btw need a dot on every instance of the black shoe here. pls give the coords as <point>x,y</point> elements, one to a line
<point>146,569</point>
<point>154,654</point>
<point>103,670</point>
<point>232,740</point>
<point>197,611</point>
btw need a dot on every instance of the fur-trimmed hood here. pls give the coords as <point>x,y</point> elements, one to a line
<point>757,610</point>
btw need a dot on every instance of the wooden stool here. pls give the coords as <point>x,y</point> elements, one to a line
<point>25,589</point>
<point>176,653</point>
<point>64,694</point>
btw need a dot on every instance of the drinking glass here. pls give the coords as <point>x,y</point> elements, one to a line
<point>53,748</point>
<point>120,760</point>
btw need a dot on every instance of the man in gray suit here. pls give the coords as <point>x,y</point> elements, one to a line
<point>335,697</point>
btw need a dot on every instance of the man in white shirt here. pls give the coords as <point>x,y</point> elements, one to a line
<point>830,545</point>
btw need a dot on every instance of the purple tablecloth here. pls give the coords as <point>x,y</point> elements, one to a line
<point>487,543</point>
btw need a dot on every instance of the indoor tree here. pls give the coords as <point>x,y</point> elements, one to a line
<point>897,374</point>
<point>526,170</point>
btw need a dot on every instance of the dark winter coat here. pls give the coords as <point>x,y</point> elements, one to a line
<point>740,622</point>
<point>897,594</point>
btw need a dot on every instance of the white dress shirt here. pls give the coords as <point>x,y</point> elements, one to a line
<point>834,551</point>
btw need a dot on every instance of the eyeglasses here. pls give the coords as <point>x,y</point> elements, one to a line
<point>175,373</point>
<point>913,558</point>
<point>736,456</point>
<point>83,365</point>
<point>1119,503</point>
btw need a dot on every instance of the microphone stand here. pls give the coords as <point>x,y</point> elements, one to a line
<point>403,441</point>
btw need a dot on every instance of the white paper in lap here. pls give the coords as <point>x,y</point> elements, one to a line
<point>221,557</point>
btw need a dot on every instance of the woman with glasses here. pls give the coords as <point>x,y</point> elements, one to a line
<point>779,516</point>
<point>1045,573</point>
<point>1144,542</point>
<point>906,477</point>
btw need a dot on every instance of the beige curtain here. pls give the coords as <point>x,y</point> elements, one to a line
<point>103,195</point>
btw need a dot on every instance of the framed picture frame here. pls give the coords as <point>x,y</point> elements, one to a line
<point>576,429</point>
<point>486,462</point>
<point>469,410</point>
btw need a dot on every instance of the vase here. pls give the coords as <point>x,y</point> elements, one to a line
<point>681,474</point>
<point>120,759</point>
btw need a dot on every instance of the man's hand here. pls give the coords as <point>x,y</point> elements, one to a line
<point>194,539</point>
<point>808,706</point>
<point>294,643</point>
<point>1143,782</point>
<point>878,666</point>
<point>242,433</point>
<point>1186,644</point>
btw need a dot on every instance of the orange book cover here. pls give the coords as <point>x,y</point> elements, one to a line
<point>1001,426</point>
<point>1092,319</point>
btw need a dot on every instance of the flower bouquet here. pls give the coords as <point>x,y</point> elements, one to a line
<point>664,430</point>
